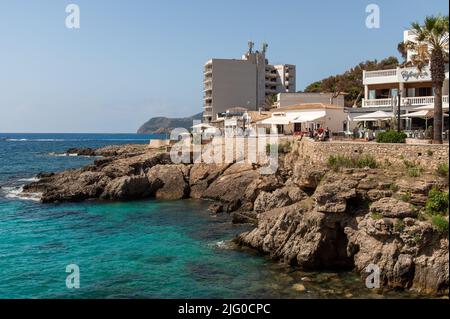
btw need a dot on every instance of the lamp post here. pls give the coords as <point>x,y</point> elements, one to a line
<point>399,99</point>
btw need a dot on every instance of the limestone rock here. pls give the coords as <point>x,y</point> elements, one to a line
<point>278,198</point>
<point>169,181</point>
<point>127,187</point>
<point>215,208</point>
<point>391,207</point>
<point>332,194</point>
<point>299,236</point>
<point>230,187</point>
<point>202,175</point>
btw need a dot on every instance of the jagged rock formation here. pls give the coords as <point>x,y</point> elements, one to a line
<point>304,215</point>
<point>335,228</point>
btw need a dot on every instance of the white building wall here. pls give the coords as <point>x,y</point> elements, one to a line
<point>288,99</point>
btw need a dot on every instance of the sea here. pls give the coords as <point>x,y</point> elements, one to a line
<point>132,249</point>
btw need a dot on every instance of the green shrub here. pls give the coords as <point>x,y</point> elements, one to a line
<point>387,163</point>
<point>406,197</point>
<point>440,223</point>
<point>391,136</point>
<point>442,169</point>
<point>412,169</point>
<point>399,225</point>
<point>415,171</point>
<point>393,187</point>
<point>267,149</point>
<point>361,161</point>
<point>422,216</point>
<point>430,153</point>
<point>283,148</point>
<point>338,161</point>
<point>437,202</point>
<point>376,216</point>
<point>366,161</point>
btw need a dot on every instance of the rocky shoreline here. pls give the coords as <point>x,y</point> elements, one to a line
<point>305,215</point>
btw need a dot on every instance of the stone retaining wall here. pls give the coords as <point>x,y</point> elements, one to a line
<point>428,156</point>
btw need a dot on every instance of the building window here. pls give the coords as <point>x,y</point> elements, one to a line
<point>424,92</point>
<point>384,94</point>
<point>394,92</point>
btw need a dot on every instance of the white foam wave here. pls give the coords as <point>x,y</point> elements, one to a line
<point>16,139</point>
<point>31,179</point>
<point>223,244</point>
<point>72,139</point>
<point>71,155</point>
<point>17,192</point>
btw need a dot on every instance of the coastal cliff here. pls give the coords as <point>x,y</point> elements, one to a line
<point>158,125</point>
<point>308,214</point>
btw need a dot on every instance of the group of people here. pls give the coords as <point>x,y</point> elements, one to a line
<point>319,134</point>
<point>367,134</point>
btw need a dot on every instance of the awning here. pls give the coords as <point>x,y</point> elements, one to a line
<point>422,114</point>
<point>430,107</point>
<point>202,126</point>
<point>211,130</point>
<point>231,122</point>
<point>374,116</point>
<point>309,116</point>
<point>419,114</point>
<point>279,119</point>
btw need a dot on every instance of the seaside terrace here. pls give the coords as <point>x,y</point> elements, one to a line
<point>381,86</point>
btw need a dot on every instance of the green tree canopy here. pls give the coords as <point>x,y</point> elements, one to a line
<point>350,83</point>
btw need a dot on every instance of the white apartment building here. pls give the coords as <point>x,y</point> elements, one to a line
<point>380,87</point>
<point>247,82</point>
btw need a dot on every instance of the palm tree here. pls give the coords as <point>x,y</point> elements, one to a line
<point>401,48</point>
<point>431,47</point>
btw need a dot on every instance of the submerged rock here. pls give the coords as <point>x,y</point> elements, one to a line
<point>81,151</point>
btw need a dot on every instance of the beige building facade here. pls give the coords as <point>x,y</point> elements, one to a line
<point>415,87</point>
<point>289,99</point>
<point>247,82</point>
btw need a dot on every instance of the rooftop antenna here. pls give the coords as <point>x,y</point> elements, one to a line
<point>264,47</point>
<point>251,44</point>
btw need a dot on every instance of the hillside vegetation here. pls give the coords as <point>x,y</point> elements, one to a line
<point>163,124</point>
<point>350,83</point>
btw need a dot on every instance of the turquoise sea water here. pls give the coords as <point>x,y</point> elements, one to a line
<point>141,249</point>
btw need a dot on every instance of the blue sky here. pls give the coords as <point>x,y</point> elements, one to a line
<point>132,60</point>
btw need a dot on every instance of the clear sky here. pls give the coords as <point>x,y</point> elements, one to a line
<point>132,60</point>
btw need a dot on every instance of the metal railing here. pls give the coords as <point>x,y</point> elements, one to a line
<point>411,101</point>
<point>381,73</point>
<point>377,102</point>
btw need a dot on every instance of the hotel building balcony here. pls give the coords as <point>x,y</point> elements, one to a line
<point>416,88</point>
<point>207,115</point>
<point>207,77</point>
<point>406,101</point>
<point>207,86</point>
